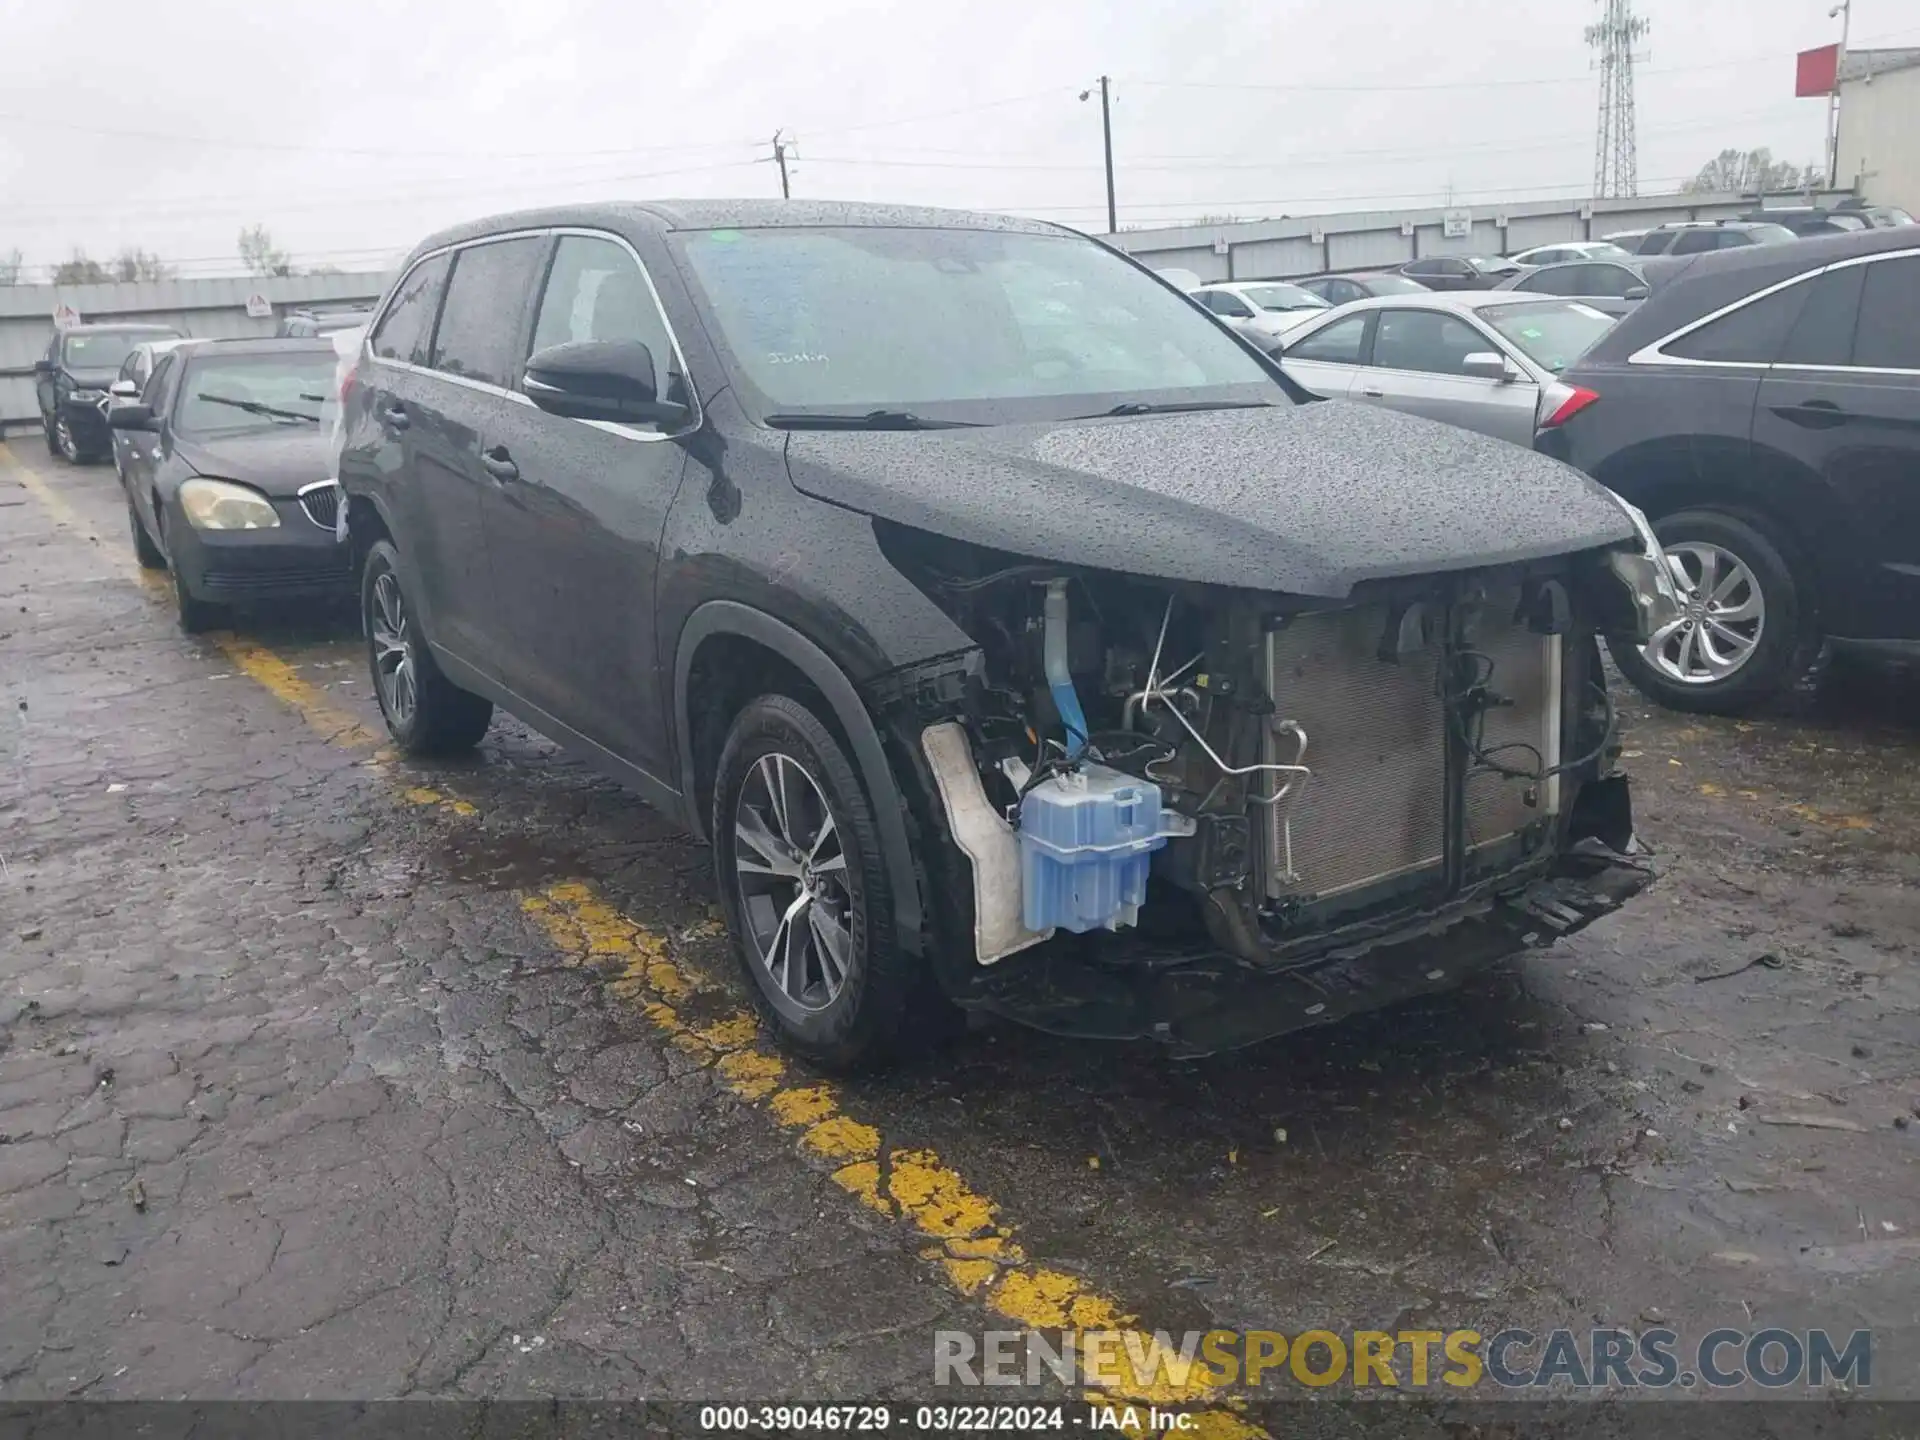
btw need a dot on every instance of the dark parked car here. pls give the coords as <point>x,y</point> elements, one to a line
<point>1764,409</point>
<point>323,322</point>
<point>1459,272</point>
<point>954,574</point>
<point>1611,286</point>
<point>1696,237</point>
<point>232,490</point>
<point>1360,285</point>
<point>71,380</point>
<point>1879,216</point>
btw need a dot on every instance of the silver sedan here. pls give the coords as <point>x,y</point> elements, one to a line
<point>1487,360</point>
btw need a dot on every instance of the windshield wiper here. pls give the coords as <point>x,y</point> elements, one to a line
<point>1170,407</point>
<point>255,407</point>
<point>871,420</point>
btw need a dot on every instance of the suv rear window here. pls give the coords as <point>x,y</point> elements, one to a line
<point>406,330</point>
<point>480,324</point>
<point>1752,335</point>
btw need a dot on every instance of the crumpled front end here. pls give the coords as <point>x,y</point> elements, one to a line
<point>1208,816</point>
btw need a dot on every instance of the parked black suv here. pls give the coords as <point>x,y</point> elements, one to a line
<point>1764,408</point>
<point>968,587</point>
<point>71,380</point>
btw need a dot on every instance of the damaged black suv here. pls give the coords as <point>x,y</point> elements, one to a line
<point>1021,639</point>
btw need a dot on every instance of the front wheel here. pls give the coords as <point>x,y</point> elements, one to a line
<point>65,444</point>
<point>148,553</point>
<point>426,713</point>
<point>806,892</point>
<point>1744,631</point>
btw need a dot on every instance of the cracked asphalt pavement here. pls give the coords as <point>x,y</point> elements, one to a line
<point>325,1074</point>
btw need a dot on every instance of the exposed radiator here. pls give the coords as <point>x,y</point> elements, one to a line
<point>1375,807</point>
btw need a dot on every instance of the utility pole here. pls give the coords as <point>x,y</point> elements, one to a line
<point>1844,10</point>
<point>1616,157</point>
<point>1106,143</point>
<point>780,159</point>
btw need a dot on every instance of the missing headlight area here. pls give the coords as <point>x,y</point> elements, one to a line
<point>1157,776</point>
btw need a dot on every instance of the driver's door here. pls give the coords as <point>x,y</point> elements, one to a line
<point>143,448</point>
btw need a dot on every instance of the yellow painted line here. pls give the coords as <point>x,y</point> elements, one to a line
<point>969,1243</point>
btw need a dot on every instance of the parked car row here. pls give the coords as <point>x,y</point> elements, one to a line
<point>1761,405</point>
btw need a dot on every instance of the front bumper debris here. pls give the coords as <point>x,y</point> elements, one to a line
<point>1199,1001</point>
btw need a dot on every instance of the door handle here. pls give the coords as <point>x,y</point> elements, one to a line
<point>499,464</point>
<point>396,416</point>
<point>1812,414</point>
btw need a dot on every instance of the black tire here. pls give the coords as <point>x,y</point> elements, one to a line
<point>1788,638</point>
<point>46,428</point>
<point>72,451</point>
<point>145,551</point>
<point>885,1002</point>
<point>196,616</point>
<point>442,719</point>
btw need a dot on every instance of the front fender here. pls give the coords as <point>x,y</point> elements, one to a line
<point>730,617</point>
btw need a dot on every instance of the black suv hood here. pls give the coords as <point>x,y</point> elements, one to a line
<point>277,461</point>
<point>1302,500</point>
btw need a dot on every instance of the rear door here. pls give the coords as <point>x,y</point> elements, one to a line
<point>1328,361</point>
<point>1844,399</point>
<point>1418,365</point>
<point>141,452</point>
<point>576,511</point>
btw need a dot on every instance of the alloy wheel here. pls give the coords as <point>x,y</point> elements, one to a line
<point>63,437</point>
<point>791,871</point>
<point>392,631</point>
<point>1722,616</point>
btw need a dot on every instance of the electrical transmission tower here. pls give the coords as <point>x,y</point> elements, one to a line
<point>1616,160</point>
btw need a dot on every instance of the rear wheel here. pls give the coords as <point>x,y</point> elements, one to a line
<point>426,713</point>
<point>806,892</point>
<point>1744,632</point>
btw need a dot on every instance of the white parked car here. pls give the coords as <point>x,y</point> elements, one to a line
<point>1262,310</point>
<point>1566,250</point>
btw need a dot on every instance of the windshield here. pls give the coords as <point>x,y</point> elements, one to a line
<point>104,349</point>
<point>999,324</point>
<point>1283,297</point>
<point>1603,250</point>
<point>1494,266</point>
<point>252,392</point>
<point>1553,333</point>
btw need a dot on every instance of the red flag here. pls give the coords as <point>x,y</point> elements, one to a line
<point>1816,71</point>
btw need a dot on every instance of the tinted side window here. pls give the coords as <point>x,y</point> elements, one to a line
<point>1889,334</point>
<point>1754,334</point>
<point>1823,335</point>
<point>1656,242</point>
<point>1338,344</point>
<point>406,330</point>
<point>1225,304</point>
<point>480,323</point>
<point>1426,341</point>
<point>1692,242</point>
<point>596,292</point>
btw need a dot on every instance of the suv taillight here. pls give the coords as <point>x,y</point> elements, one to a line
<point>1560,403</point>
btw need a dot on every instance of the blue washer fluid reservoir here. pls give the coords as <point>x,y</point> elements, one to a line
<point>1086,839</point>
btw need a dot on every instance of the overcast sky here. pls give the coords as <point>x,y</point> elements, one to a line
<point>352,127</point>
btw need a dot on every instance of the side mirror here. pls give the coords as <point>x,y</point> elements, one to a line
<point>43,367</point>
<point>1486,365</point>
<point>132,417</point>
<point>600,380</point>
<point>124,390</point>
<point>1636,292</point>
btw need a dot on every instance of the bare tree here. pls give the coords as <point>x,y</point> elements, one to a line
<point>260,255</point>
<point>133,263</point>
<point>11,262</point>
<point>1745,172</point>
<point>80,270</point>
